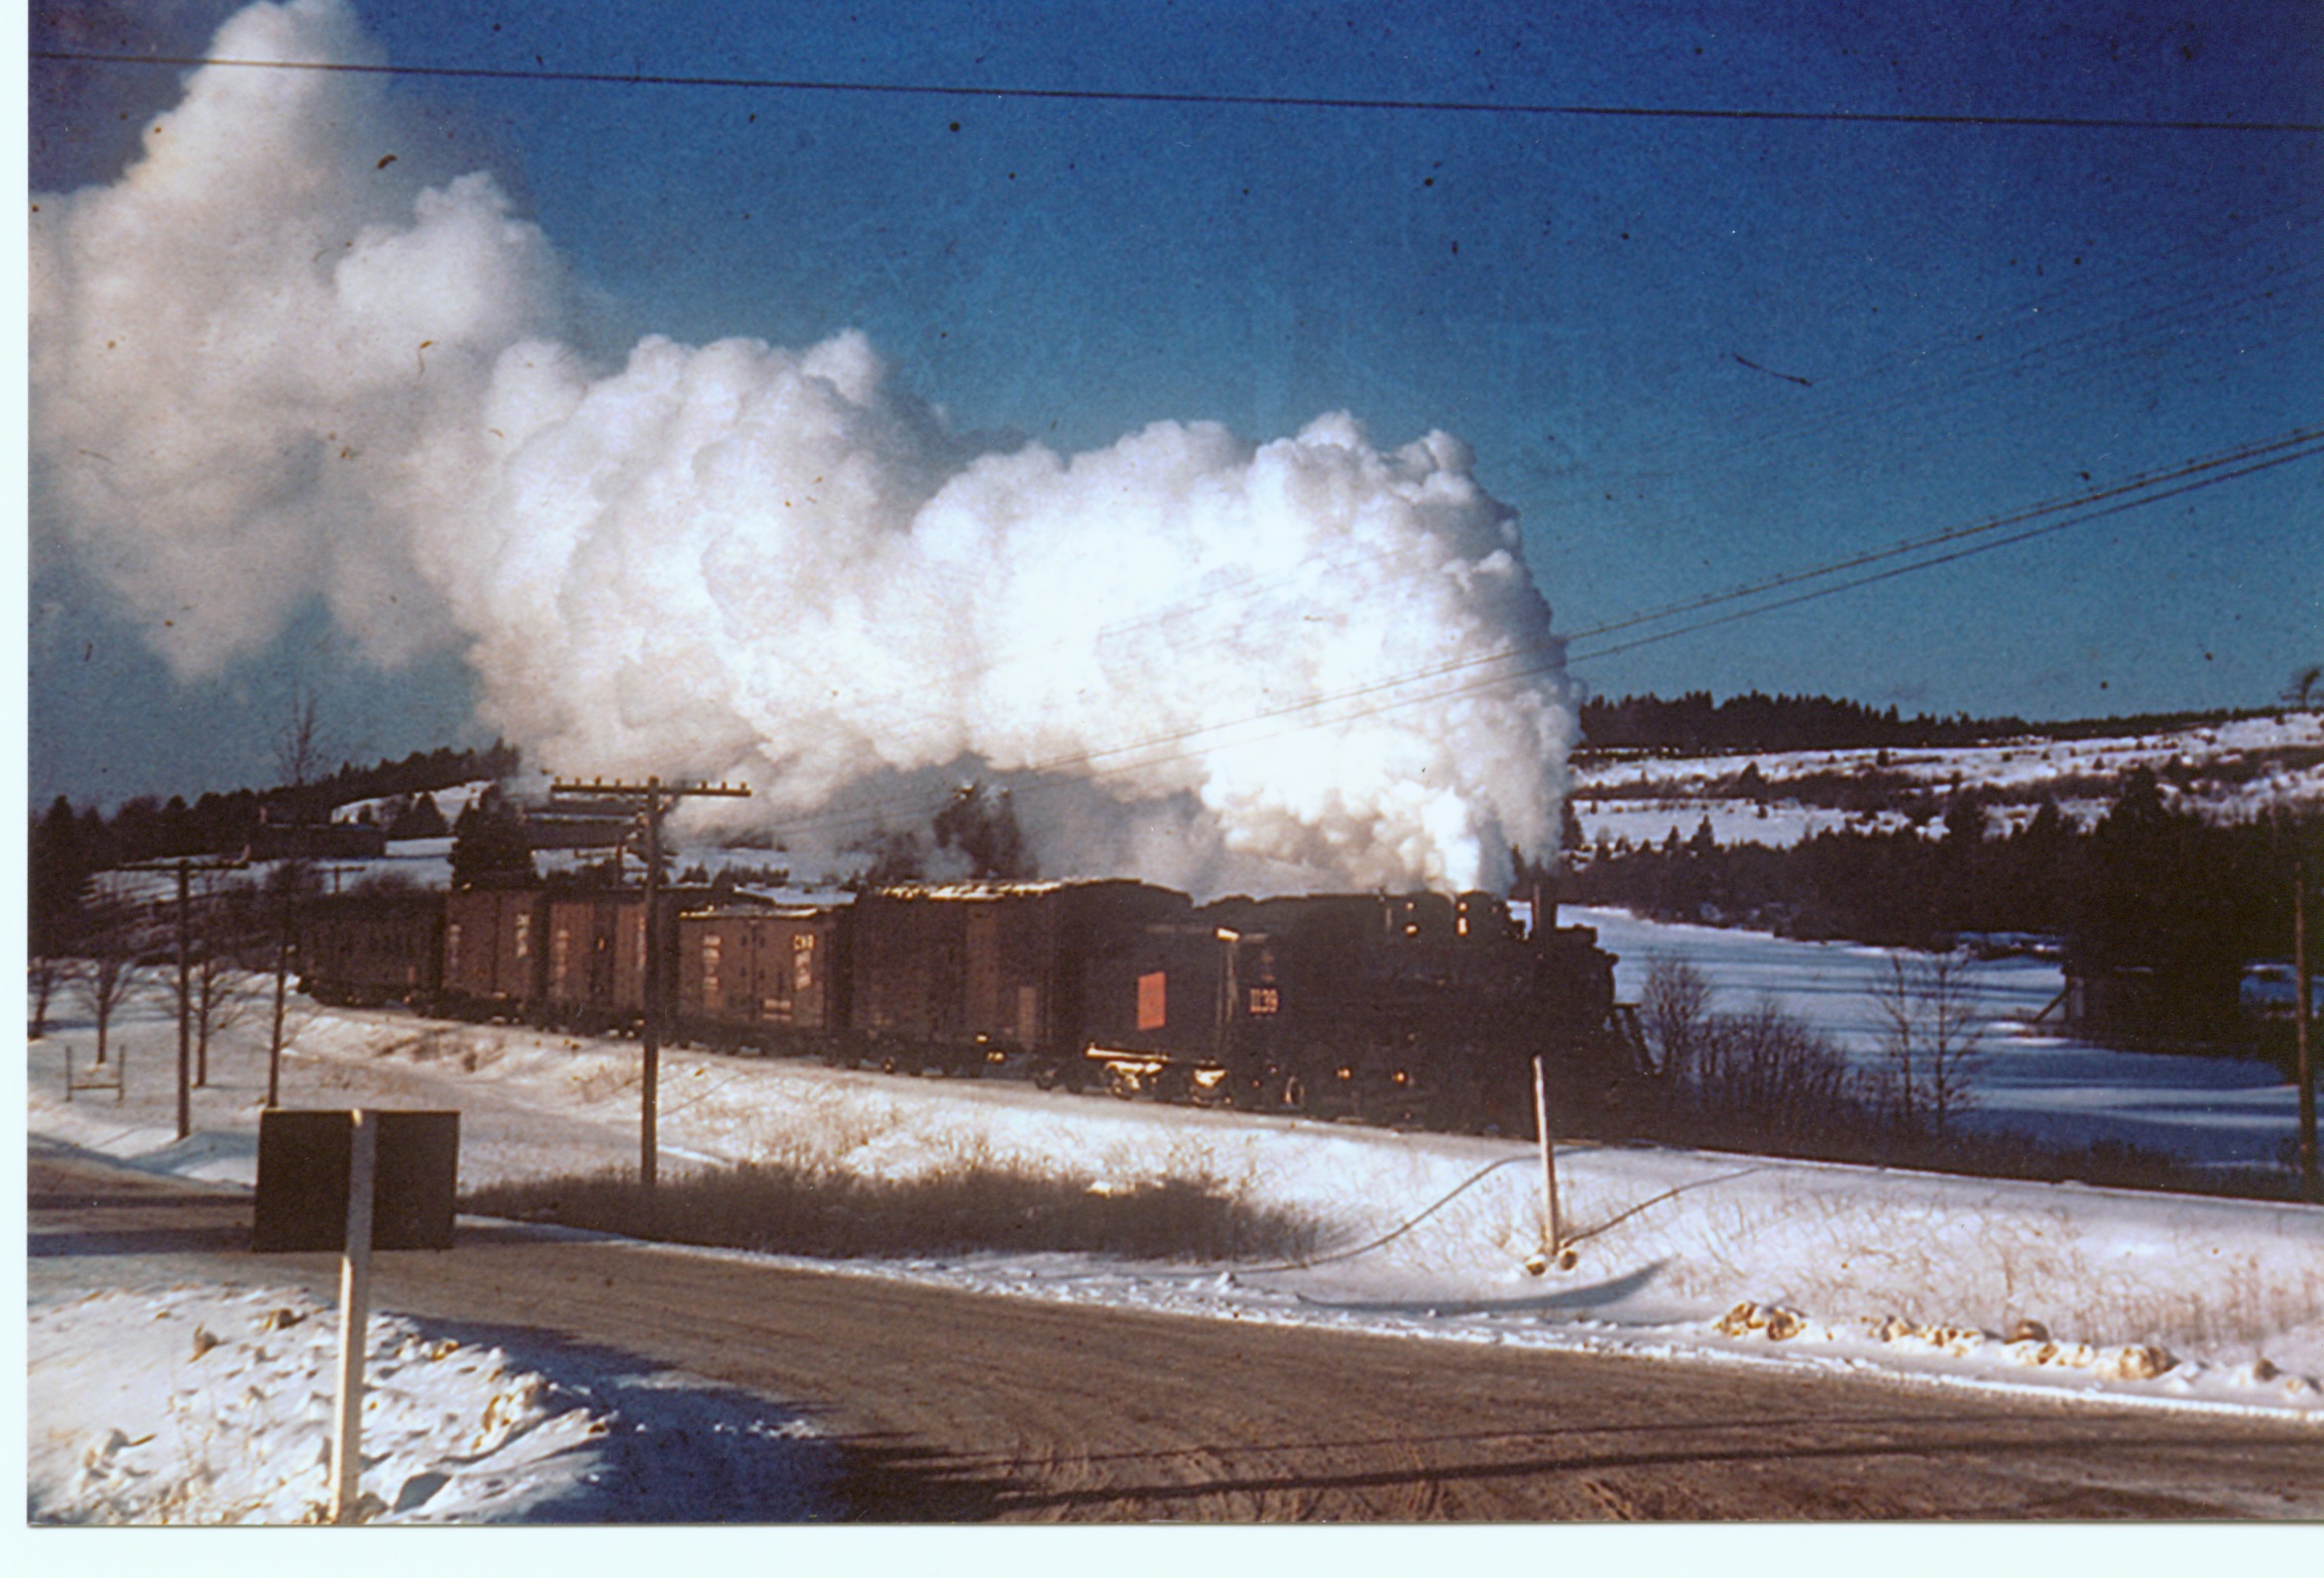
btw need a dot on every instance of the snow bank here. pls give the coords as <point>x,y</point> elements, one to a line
<point>213,1406</point>
<point>2068,1289</point>
<point>197,1405</point>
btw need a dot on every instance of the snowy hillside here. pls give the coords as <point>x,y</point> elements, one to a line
<point>2224,771</point>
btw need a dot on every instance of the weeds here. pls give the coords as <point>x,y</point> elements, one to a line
<point>796,1207</point>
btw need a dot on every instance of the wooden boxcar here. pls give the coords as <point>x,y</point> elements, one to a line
<point>367,949</point>
<point>595,978</point>
<point>494,953</point>
<point>958,976</point>
<point>771,979</point>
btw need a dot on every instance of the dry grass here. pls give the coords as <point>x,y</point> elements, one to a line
<point>797,1206</point>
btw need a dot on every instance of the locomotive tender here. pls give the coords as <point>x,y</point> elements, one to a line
<point>1421,1009</point>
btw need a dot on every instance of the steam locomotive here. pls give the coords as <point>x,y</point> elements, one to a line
<point>1419,1009</point>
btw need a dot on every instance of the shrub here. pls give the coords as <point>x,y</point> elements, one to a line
<point>799,1207</point>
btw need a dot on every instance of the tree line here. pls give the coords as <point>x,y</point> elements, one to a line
<point>1695,723</point>
<point>148,828</point>
<point>2146,887</point>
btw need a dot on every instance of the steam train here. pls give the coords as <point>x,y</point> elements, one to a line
<point>1418,1009</point>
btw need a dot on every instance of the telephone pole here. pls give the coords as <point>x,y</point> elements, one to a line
<point>651,799</point>
<point>186,866</point>
<point>2303,1069</point>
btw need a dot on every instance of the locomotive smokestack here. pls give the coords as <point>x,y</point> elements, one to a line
<point>1545,903</point>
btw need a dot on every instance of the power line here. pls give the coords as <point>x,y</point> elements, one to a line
<point>1291,101</point>
<point>1555,652</point>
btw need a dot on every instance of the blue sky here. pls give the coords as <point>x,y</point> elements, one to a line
<point>1688,352</point>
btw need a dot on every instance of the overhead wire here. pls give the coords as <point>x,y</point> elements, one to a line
<point>1293,101</point>
<point>1555,652</point>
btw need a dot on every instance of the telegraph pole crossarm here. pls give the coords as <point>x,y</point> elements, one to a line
<point>186,866</point>
<point>652,800</point>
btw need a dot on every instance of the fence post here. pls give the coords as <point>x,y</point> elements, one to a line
<point>1555,1238</point>
<point>354,1317</point>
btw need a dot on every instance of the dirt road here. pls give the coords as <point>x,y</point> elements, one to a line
<point>958,1408</point>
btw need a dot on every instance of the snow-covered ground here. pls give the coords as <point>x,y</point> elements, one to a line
<point>2237,770</point>
<point>2171,1301</point>
<point>2212,1111</point>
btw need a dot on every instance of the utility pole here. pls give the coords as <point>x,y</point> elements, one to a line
<point>2303,1070</point>
<point>186,866</point>
<point>652,800</point>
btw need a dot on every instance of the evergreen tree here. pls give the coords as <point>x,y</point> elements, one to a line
<point>488,845</point>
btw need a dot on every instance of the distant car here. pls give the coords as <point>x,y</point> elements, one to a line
<point>2269,991</point>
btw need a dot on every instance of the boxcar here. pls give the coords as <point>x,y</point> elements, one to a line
<point>493,957</point>
<point>367,949</point>
<point>595,976</point>
<point>768,979</point>
<point>955,977</point>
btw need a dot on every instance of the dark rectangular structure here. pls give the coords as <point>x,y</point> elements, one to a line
<point>303,1162</point>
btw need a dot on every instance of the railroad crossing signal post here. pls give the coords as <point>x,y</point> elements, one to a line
<point>186,866</point>
<point>651,799</point>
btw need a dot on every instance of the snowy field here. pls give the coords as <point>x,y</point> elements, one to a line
<point>2239,769</point>
<point>2060,1290</point>
<point>2211,1111</point>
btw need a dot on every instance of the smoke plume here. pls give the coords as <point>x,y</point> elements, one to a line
<point>271,364</point>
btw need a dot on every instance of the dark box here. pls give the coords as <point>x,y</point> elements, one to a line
<point>303,1159</point>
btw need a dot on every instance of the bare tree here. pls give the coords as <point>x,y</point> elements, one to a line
<point>2306,684</point>
<point>1673,1010</point>
<point>107,974</point>
<point>46,974</point>
<point>220,1002</point>
<point>299,747</point>
<point>1770,1073</point>
<point>286,886</point>
<point>1933,1032</point>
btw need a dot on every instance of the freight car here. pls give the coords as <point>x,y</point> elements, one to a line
<point>1415,1009</point>
<point>494,963</point>
<point>958,977</point>
<point>764,979</point>
<point>367,949</point>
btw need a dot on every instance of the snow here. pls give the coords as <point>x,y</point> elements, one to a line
<point>204,1404</point>
<point>2208,1110</point>
<point>2237,769</point>
<point>2169,1301</point>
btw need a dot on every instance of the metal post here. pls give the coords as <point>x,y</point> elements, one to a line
<point>354,1317</point>
<point>1553,1241</point>
<point>649,1036</point>
<point>185,1011</point>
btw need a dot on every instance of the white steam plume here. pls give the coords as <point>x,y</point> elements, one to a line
<point>268,365</point>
